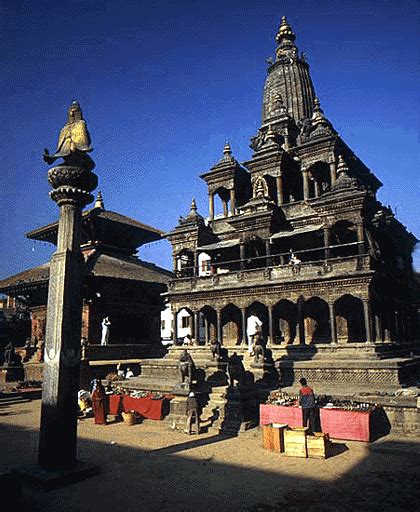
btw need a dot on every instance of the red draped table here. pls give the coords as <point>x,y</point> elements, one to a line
<point>147,407</point>
<point>338,423</point>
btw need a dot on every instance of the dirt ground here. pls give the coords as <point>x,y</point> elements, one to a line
<point>149,467</point>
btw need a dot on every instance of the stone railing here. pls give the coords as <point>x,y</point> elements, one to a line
<point>310,270</point>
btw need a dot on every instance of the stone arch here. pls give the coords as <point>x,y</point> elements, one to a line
<point>210,323</point>
<point>259,310</point>
<point>350,319</point>
<point>231,325</point>
<point>285,319</point>
<point>221,201</point>
<point>316,321</point>
<point>320,177</point>
<point>185,263</point>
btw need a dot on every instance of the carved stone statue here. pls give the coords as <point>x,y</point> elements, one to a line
<point>259,347</point>
<point>106,324</point>
<point>9,354</point>
<point>74,139</point>
<point>215,348</point>
<point>186,367</point>
<point>236,370</point>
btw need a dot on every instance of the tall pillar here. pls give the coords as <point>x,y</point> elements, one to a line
<point>243,315</point>
<point>242,255</point>
<point>72,182</point>
<point>280,192</point>
<point>333,324</point>
<point>195,269</point>
<point>219,326</point>
<point>197,326</point>
<point>270,340</point>
<point>317,188</point>
<point>232,201</point>
<point>305,173</point>
<point>368,320</point>
<point>327,243</point>
<point>360,238</point>
<point>268,252</point>
<point>206,330</point>
<point>300,330</point>
<point>333,172</point>
<point>175,340</point>
<point>211,206</point>
<point>174,263</point>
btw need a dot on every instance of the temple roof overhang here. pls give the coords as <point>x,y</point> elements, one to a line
<point>107,227</point>
<point>219,245</point>
<point>297,231</point>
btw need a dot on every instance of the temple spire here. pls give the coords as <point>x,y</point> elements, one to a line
<point>193,207</point>
<point>285,32</point>
<point>99,202</point>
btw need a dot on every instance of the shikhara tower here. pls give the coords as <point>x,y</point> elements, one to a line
<point>301,242</point>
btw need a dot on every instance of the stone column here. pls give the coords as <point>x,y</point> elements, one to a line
<point>368,322</point>
<point>268,252</point>
<point>332,323</point>
<point>316,186</point>
<point>242,255</point>
<point>305,173</point>
<point>211,206</point>
<point>197,326</point>
<point>327,243</point>
<point>206,330</point>
<point>280,192</point>
<point>219,326</point>
<point>72,183</point>
<point>175,340</point>
<point>243,315</point>
<point>232,201</point>
<point>270,340</point>
<point>360,238</point>
<point>333,172</point>
<point>300,329</point>
<point>175,263</point>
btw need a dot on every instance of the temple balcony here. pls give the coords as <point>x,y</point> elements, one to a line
<point>227,278</point>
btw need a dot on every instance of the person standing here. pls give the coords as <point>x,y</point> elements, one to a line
<point>99,403</point>
<point>192,413</point>
<point>105,331</point>
<point>307,402</point>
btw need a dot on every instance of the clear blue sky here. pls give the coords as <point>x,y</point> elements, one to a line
<point>163,83</point>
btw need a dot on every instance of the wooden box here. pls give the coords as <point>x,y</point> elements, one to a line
<point>295,442</point>
<point>318,445</point>
<point>273,437</point>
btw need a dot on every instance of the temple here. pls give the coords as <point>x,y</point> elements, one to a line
<point>116,284</point>
<point>297,238</point>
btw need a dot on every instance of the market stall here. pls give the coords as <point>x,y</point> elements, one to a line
<point>152,407</point>
<point>349,421</point>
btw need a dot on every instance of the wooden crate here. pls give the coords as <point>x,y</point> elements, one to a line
<point>318,445</point>
<point>273,437</point>
<point>295,442</point>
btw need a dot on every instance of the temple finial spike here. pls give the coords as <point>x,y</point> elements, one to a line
<point>285,31</point>
<point>99,202</point>
<point>227,150</point>
<point>193,205</point>
<point>342,166</point>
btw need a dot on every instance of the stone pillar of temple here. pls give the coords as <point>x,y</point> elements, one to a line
<point>317,187</point>
<point>211,206</point>
<point>243,316</point>
<point>327,243</point>
<point>300,328</point>
<point>360,238</point>
<point>72,183</point>
<point>268,252</point>
<point>333,324</point>
<point>333,172</point>
<point>242,255</point>
<point>206,330</point>
<point>270,340</point>
<point>175,340</point>
<point>219,326</point>
<point>368,320</point>
<point>305,174</point>
<point>197,326</point>
<point>225,208</point>
<point>232,201</point>
<point>280,193</point>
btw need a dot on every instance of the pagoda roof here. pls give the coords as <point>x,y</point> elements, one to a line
<point>108,227</point>
<point>97,265</point>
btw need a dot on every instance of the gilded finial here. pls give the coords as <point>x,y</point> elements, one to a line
<point>99,202</point>
<point>193,205</point>
<point>342,166</point>
<point>227,150</point>
<point>285,31</point>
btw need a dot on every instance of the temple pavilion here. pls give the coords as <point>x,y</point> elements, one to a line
<point>296,237</point>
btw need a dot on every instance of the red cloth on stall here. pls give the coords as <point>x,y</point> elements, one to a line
<point>145,406</point>
<point>290,415</point>
<point>341,424</point>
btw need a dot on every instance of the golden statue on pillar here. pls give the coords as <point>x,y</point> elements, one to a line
<point>74,139</point>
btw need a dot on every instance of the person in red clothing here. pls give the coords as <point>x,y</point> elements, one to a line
<point>307,402</point>
<point>99,403</point>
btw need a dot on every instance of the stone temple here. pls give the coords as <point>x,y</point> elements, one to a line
<point>297,238</point>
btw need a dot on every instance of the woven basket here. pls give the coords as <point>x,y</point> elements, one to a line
<point>129,417</point>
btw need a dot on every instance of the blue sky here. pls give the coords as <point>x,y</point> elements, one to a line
<point>163,84</point>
